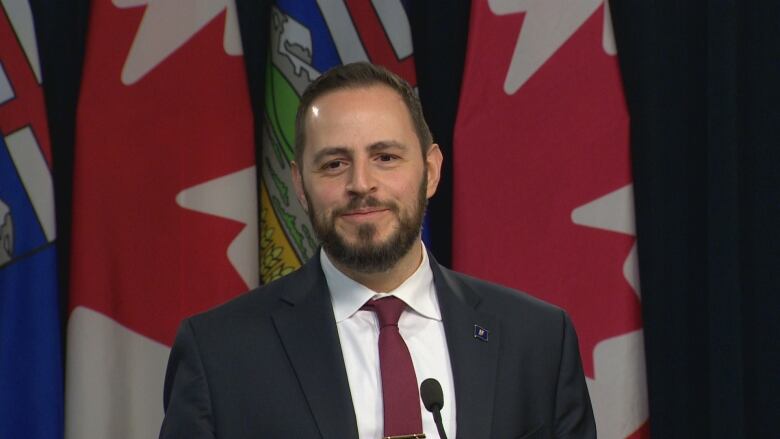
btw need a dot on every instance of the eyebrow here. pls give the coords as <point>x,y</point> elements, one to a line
<point>329,151</point>
<point>386,144</point>
<point>382,145</point>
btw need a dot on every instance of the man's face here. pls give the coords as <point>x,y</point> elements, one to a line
<point>363,178</point>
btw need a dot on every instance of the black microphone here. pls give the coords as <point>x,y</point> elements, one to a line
<point>433,400</point>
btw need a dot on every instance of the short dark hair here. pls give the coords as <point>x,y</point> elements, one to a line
<point>357,75</point>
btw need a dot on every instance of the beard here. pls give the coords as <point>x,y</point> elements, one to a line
<point>366,256</point>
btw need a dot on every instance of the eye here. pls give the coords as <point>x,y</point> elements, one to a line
<point>333,165</point>
<point>386,157</point>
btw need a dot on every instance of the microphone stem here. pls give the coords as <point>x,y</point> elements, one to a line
<point>439,425</point>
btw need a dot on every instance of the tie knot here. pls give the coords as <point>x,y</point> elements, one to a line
<point>388,310</point>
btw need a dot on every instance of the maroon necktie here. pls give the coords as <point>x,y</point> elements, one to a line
<point>400,395</point>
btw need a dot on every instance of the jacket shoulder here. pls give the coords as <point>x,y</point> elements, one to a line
<point>504,301</point>
<point>258,303</point>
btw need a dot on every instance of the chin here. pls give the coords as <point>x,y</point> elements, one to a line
<point>358,243</point>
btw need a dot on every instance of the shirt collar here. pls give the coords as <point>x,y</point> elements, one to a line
<point>347,296</point>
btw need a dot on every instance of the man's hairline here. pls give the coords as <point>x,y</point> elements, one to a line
<point>299,156</point>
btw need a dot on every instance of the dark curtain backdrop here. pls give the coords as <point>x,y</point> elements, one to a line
<point>61,28</point>
<point>702,88</point>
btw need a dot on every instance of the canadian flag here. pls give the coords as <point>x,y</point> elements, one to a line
<point>164,203</point>
<point>543,197</point>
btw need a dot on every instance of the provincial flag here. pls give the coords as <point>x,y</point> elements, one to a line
<point>543,187</point>
<point>164,201</point>
<point>30,336</point>
<point>307,38</point>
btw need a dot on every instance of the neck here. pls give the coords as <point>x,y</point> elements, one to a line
<point>390,279</point>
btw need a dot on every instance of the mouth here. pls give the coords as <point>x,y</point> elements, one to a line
<point>364,213</point>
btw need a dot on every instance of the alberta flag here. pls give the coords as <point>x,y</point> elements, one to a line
<point>30,348</point>
<point>307,38</point>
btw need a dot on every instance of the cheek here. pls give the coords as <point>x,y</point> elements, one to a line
<point>322,198</point>
<point>406,189</point>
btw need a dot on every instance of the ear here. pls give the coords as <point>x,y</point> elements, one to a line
<point>297,179</point>
<point>433,161</point>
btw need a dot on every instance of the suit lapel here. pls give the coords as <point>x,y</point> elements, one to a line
<point>473,359</point>
<point>308,332</point>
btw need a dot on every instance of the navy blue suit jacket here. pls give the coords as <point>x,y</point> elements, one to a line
<point>268,364</point>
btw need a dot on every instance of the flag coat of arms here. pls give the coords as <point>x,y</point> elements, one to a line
<point>307,38</point>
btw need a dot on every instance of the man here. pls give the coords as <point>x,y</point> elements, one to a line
<point>315,355</point>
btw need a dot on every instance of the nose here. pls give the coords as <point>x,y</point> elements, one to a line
<point>361,179</point>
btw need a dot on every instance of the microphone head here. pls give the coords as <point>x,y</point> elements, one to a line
<point>431,394</point>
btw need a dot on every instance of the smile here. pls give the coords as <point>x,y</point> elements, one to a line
<point>360,215</point>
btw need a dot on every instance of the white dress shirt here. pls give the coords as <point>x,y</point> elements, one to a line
<point>421,327</point>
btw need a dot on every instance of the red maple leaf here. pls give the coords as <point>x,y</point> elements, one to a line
<point>524,161</point>
<point>137,256</point>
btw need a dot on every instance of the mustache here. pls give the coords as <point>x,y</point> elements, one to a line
<point>362,202</point>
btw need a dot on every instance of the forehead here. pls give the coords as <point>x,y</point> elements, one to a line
<point>357,113</point>
<point>376,90</point>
